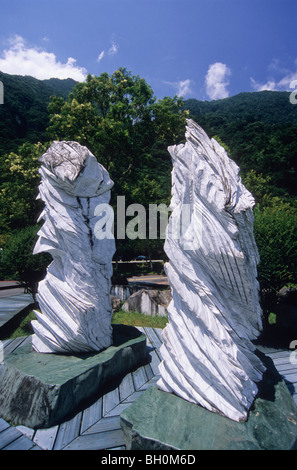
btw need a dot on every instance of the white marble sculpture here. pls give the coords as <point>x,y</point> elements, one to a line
<point>208,357</point>
<point>74,297</point>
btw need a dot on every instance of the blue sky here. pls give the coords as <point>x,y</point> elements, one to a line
<point>204,49</point>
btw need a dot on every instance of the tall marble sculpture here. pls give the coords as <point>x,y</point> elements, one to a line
<point>74,298</point>
<point>208,357</point>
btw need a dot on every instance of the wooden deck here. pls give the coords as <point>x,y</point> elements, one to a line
<point>98,427</point>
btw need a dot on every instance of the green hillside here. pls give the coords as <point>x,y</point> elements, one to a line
<point>24,115</point>
<point>118,118</point>
<point>260,130</point>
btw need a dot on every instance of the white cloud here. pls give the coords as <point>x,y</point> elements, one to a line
<point>269,85</point>
<point>113,50</point>
<point>20,59</point>
<point>182,87</point>
<point>216,81</point>
<point>281,84</point>
<point>100,56</point>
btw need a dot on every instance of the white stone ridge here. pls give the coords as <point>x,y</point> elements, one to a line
<point>74,297</point>
<point>208,357</point>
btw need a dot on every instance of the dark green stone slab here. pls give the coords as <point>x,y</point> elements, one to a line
<point>41,390</point>
<point>162,421</point>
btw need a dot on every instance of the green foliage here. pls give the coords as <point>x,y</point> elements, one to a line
<point>260,129</point>
<point>258,185</point>
<point>24,328</point>
<point>18,262</point>
<point>19,181</point>
<point>275,231</point>
<point>24,114</point>
<point>117,117</point>
<point>138,319</point>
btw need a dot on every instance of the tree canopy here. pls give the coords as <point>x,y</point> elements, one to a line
<point>122,123</point>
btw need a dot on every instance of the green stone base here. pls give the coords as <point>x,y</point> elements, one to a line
<point>41,390</point>
<point>163,421</point>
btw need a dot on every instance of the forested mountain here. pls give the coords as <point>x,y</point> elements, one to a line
<point>260,130</point>
<point>118,118</point>
<point>271,107</point>
<point>24,114</point>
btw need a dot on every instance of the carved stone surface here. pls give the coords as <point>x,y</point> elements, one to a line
<point>207,353</point>
<point>162,421</point>
<point>74,298</point>
<point>42,390</point>
<point>149,302</point>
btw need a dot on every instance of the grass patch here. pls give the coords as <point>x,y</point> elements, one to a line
<point>24,328</point>
<point>138,319</point>
<point>120,317</point>
<point>272,318</point>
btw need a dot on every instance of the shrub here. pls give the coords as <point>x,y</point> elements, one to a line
<point>275,231</point>
<point>18,262</point>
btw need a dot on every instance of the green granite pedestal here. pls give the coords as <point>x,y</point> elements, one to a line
<point>163,421</point>
<point>41,390</point>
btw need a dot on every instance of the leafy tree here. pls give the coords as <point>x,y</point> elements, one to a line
<point>118,118</point>
<point>19,181</point>
<point>275,230</point>
<point>258,185</point>
<point>24,115</point>
<point>18,262</point>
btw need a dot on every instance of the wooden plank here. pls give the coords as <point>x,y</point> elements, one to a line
<point>22,443</point>
<point>150,383</point>
<point>134,397</point>
<point>67,432</point>
<point>126,387</point>
<point>91,415</point>
<point>101,441</point>
<point>139,377</point>
<point>117,448</point>
<point>45,438</point>
<point>9,435</point>
<point>158,332</point>
<point>277,354</point>
<point>155,361</point>
<point>3,425</point>
<point>110,401</point>
<point>286,368</point>
<point>149,371</point>
<point>117,410</point>
<point>104,425</point>
<point>153,337</point>
<point>281,361</point>
<point>28,432</point>
<point>290,375</point>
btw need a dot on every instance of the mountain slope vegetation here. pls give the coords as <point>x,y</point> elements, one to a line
<point>118,118</point>
<point>24,114</point>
